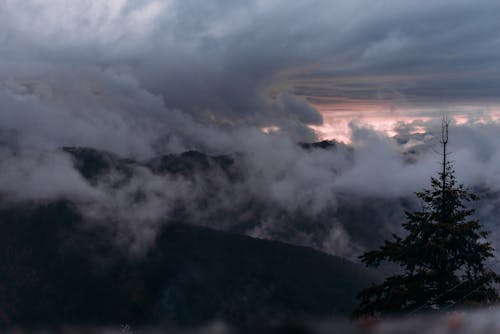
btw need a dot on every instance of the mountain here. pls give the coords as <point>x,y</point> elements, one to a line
<point>325,144</point>
<point>93,164</point>
<point>233,192</point>
<point>240,278</point>
<point>55,269</point>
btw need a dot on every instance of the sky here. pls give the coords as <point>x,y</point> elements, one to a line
<point>307,68</point>
<point>144,78</point>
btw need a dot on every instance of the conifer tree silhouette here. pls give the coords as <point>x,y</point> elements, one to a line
<point>443,256</point>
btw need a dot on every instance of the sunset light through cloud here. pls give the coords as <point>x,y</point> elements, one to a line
<point>385,117</point>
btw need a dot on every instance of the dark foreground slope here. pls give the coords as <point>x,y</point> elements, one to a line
<point>240,278</point>
<point>54,269</point>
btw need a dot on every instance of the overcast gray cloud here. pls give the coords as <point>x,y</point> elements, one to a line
<point>220,61</point>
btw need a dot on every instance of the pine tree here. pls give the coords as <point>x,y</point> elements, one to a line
<point>443,256</point>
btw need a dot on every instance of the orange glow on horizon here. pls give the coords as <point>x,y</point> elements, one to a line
<point>381,117</point>
<point>384,117</point>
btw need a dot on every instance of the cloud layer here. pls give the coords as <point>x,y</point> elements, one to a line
<point>220,62</point>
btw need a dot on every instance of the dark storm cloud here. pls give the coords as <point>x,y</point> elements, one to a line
<point>207,60</point>
<point>219,61</point>
<point>432,53</point>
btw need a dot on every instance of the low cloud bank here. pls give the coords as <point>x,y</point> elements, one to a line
<point>339,200</point>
